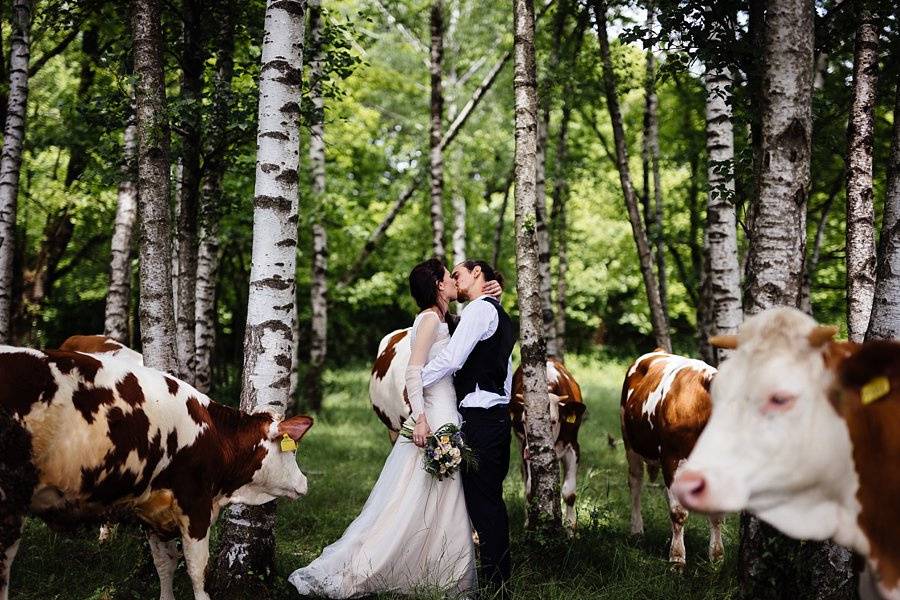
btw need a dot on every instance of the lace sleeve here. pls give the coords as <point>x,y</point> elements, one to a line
<point>425,333</point>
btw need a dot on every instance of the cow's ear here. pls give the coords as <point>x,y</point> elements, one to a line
<point>726,342</point>
<point>295,427</point>
<point>570,412</point>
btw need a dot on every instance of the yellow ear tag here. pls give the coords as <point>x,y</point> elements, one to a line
<point>287,444</point>
<point>571,418</point>
<point>876,389</point>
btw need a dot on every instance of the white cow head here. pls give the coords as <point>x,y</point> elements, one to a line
<point>279,476</point>
<point>775,445</point>
<point>558,410</point>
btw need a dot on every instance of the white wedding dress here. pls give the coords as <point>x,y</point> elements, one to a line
<point>413,534</point>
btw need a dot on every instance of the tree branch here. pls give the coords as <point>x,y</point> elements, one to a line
<point>55,51</point>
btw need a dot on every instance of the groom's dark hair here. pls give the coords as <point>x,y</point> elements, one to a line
<point>490,274</point>
<point>423,280</point>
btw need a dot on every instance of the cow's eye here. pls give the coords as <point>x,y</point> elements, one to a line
<point>780,401</point>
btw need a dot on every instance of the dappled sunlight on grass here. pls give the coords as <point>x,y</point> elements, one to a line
<point>342,456</point>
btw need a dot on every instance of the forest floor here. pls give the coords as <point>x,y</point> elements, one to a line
<point>342,456</point>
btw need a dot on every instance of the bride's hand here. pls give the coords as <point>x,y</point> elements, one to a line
<point>492,288</point>
<point>421,431</point>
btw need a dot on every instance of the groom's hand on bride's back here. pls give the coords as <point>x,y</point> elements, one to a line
<point>492,288</point>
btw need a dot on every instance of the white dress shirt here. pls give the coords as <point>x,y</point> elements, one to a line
<point>477,322</point>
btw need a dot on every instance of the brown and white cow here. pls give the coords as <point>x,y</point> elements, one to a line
<point>665,406</point>
<point>805,434</point>
<point>388,381</point>
<point>566,414</point>
<point>89,437</point>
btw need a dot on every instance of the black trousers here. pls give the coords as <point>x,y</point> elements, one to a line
<point>487,432</point>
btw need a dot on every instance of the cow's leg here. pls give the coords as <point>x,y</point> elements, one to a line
<point>716,549</point>
<point>525,468</point>
<point>570,469</point>
<point>678,515</point>
<point>165,558</point>
<point>392,436</point>
<point>196,554</point>
<point>10,537</point>
<point>635,481</point>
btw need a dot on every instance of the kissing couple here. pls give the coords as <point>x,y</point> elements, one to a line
<point>414,534</point>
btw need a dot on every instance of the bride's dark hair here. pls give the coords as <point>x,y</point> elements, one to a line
<point>423,280</point>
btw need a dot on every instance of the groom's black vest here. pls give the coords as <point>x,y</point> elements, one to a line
<point>488,363</point>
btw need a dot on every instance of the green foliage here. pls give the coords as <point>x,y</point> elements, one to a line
<point>377,143</point>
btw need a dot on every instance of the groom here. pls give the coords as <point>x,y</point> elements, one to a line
<point>478,355</point>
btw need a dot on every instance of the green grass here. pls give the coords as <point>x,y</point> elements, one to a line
<point>342,456</point>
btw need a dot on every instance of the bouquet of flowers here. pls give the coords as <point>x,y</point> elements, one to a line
<point>445,450</point>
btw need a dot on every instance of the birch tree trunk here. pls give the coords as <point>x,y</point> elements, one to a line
<point>722,275</point>
<point>459,228</point>
<point>437,114</point>
<point>118,296</point>
<point>770,563</point>
<point>657,316</point>
<point>210,201</point>
<point>193,58</point>
<point>247,547</point>
<point>860,253</point>
<point>543,507</point>
<point>11,156</point>
<point>318,344</point>
<point>885,321</point>
<point>156,308</point>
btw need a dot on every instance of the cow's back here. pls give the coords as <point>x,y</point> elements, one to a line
<point>665,405</point>
<point>98,429</point>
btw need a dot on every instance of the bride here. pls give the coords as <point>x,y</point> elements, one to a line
<point>413,534</point>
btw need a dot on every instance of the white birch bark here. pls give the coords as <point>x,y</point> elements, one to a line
<point>318,344</point>
<point>543,507</point>
<point>723,273</point>
<point>118,296</point>
<point>247,535</point>
<point>11,156</point>
<point>156,306</point>
<point>459,228</point>
<point>860,254</point>
<point>436,158</point>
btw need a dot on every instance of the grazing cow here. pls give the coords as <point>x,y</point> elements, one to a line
<point>101,344</point>
<point>90,437</point>
<point>805,434</point>
<point>387,383</point>
<point>566,413</point>
<point>665,406</point>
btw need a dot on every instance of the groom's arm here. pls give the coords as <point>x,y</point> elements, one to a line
<point>475,323</point>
